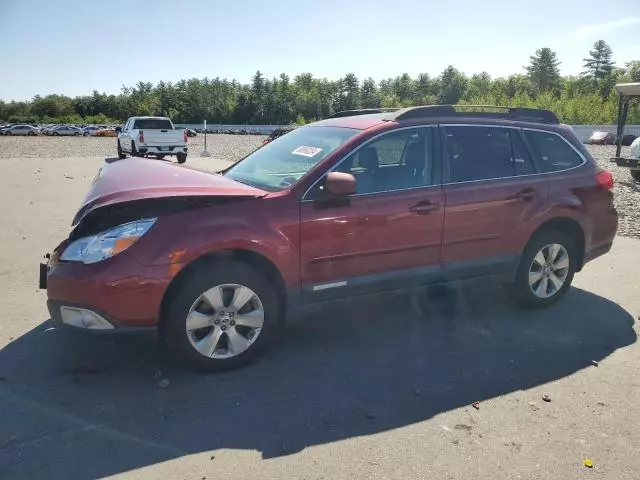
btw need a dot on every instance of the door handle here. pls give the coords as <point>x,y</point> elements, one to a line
<point>526,194</point>
<point>423,208</point>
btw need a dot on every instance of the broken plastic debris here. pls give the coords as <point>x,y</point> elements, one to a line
<point>476,405</point>
<point>588,463</point>
<point>546,397</point>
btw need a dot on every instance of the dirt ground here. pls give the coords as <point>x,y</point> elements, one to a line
<point>381,388</point>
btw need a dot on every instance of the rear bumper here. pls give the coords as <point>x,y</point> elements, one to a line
<point>162,150</point>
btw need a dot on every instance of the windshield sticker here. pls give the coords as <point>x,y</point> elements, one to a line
<point>307,151</point>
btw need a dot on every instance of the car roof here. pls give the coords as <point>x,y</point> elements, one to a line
<point>359,122</point>
<point>438,114</point>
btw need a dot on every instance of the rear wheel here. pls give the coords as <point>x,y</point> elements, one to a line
<point>31,134</point>
<point>221,317</point>
<point>635,174</point>
<point>182,157</point>
<point>77,134</point>
<point>546,270</point>
<point>121,154</point>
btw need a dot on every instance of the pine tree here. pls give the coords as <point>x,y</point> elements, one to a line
<point>599,64</point>
<point>543,71</point>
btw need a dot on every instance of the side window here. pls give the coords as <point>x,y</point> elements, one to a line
<point>396,161</point>
<point>522,163</point>
<point>552,151</point>
<point>478,153</point>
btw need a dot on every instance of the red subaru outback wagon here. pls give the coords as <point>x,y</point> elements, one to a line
<point>363,202</point>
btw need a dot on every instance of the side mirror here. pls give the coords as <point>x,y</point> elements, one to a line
<point>118,129</point>
<point>340,184</point>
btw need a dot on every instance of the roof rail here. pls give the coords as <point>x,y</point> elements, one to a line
<point>363,111</point>
<point>483,111</point>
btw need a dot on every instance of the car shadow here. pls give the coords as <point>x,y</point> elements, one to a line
<point>81,406</point>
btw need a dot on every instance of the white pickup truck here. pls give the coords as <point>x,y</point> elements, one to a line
<point>155,136</point>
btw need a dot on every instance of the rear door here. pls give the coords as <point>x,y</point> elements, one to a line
<point>386,236</point>
<point>491,188</point>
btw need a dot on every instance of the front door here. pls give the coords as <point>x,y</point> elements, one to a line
<point>387,235</point>
<point>490,189</point>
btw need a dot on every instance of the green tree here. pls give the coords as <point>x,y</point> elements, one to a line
<point>452,86</point>
<point>633,71</point>
<point>599,65</point>
<point>543,71</point>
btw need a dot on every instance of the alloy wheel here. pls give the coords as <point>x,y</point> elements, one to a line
<point>549,270</point>
<point>225,321</point>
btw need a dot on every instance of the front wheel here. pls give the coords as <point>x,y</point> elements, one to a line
<point>546,270</point>
<point>220,317</point>
<point>635,174</point>
<point>77,134</point>
<point>121,154</point>
<point>134,152</point>
<point>182,157</point>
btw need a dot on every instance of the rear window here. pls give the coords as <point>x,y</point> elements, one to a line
<point>152,124</point>
<point>552,151</point>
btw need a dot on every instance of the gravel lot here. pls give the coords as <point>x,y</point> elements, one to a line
<point>224,147</point>
<point>380,388</point>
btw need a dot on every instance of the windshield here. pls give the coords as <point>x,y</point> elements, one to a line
<point>281,163</point>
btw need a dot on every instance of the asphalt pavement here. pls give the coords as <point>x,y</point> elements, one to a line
<point>379,387</point>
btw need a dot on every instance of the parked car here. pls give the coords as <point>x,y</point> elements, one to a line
<point>66,130</point>
<point>278,132</point>
<point>191,132</point>
<point>90,130</point>
<point>106,132</point>
<point>601,138</point>
<point>627,140</point>
<point>151,136</point>
<point>21,130</point>
<point>352,205</point>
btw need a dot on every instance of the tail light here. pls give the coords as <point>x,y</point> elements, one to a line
<point>185,135</point>
<point>141,136</point>
<point>605,179</point>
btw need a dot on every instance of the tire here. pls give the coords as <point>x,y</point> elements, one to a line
<point>134,152</point>
<point>182,157</point>
<point>186,299</point>
<point>31,134</point>
<point>547,291</point>
<point>56,134</point>
<point>77,134</point>
<point>85,134</point>
<point>8,134</point>
<point>635,174</point>
<point>121,154</point>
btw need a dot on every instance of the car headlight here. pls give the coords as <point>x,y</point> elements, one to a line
<point>108,243</point>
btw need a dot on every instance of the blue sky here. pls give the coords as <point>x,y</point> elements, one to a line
<point>74,47</point>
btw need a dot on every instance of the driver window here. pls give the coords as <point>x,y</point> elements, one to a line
<point>396,161</point>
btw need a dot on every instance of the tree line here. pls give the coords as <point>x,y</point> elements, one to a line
<point>582,99</point>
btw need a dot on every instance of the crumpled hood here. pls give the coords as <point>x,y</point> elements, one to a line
<point>140,179</point>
